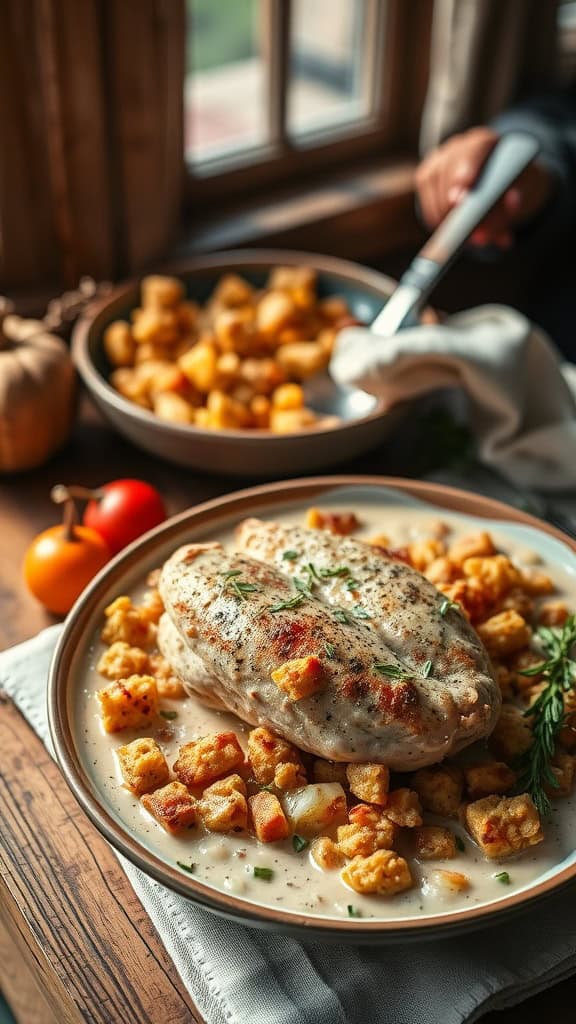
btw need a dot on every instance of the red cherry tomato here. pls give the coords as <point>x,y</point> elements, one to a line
<point>126,509</point>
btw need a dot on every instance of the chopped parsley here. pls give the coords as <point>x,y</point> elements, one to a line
<point>329,650</point>
<point>360,613</point>
<point>459,844</point>
<point>503,877</point>
<point>290,556</point>
<point>341,616</point>
<point>299,843</point>
<point>169,715</point>
<point>352,584</point>
<point>190,868</point>
<point>292,602</point>
<point>266,874</point>
<point>447,604</point>
<point>392,671</point>
<point>426,669</point>
<point>353,911</point>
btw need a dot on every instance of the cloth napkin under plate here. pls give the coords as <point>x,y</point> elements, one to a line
<point>520,397</point>
<point>239,975</point>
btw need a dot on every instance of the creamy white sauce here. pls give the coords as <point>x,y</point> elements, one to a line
<point>226,862</point>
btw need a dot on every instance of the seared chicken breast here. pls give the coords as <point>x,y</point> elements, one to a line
<point>325,640</point>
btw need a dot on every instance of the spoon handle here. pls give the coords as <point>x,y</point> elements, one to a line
<point>509,158</point>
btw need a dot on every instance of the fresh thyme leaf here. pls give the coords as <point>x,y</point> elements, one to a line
<point>302,586</point>
<point>292,602</point>
<point>352,584</point>
<point>392,671</point>
<point>353,911</point>
<point>290,556</point>
<point>190,868</point>
<point>360,613</point>
<point>341,616</point>
<point>426,669</point>
<point>459,844</point>
<point>233,572</point>
<point>340,570</point>
<point>330,650</point>
<point>265,873</point>
<point>169,715</point>
<point>547,713</point>
<point>299,843</point>
<point>447,604</point>
<point>503,877</point>
<point>238,587</point>
<point>312,572</point>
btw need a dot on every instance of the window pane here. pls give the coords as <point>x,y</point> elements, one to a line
<point>224,88</point>
<point>327,83</point>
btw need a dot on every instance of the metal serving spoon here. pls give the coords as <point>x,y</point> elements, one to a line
<point>508,159</point>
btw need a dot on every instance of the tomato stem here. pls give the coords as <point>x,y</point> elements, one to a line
<point>62,495</point>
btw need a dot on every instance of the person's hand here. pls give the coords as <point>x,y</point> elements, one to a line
<point>445,175</point>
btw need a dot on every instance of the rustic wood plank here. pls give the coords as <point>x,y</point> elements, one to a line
<point>18,983</point>
<point>72,912</point>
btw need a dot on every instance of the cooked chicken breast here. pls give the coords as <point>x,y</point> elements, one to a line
<point>329,647</point>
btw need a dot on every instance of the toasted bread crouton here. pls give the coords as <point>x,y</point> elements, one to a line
<point>266,751</point>
<point>504,633</point>
<point>369,782</point>
<point>143,765</point>
<point>268,819</point>
<point>208,758</point>
<point>300,677</point>
<point>434,843</point>
<point>125,622</point>
<point>440,788</point>
<point>170,687</point>
<point>364,836</point>
<point>128,703</point>
<point>223,807</point>
<point>503,826</point>
<point>173,807</point>
<point>477,545</point>
<point>289,776</point>
<point>563,768</point>
<point>121,660</point>
<point>383,872</point>
<point>403,808</point>
<point>326,854</point>
<point>511,735</point>
<point>487,778</point>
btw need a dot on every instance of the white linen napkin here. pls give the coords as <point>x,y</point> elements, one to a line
<point>520,397</point>
<point>239,975</point>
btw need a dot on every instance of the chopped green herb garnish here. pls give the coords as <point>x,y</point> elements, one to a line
<point>360,613</point>
<point>302,586</point>
<point>392,671</point>
<point>340,616</point>
<point>238,587</point>
<point>292,602</point>
<point>299,843</point>
<point>232,573</point>
<point>268,789</point>
<point>447,604</point>
<point>169,715</point>
<point>548,712</point>
<point>352,584</point>
<point>330,650</point>
<point>190,868</point>
<point>312,572</point>
<point>353,911</point>
<point>265,873</point>
<point>290,556</point>
<point>340,570</point>
<point>503,877</point>
<point>426,669</point>
<point>459,844</point>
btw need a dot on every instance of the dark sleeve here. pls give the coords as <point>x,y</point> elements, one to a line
<point>552,119</point>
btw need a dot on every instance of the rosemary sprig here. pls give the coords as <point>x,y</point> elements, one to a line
<point>392,671</point>
<point>547,712</point>
<point>238,587</point>
<point>292,602</point>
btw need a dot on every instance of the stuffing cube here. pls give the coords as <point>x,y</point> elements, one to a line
<point>301,359</point>
<point>226,413</point>
<point>478,545</point>
<point>511,735</point>
<point>434,843</point>
<point>495,573</point>
<point>158,326</point>
<point>276,309</point>
<point>469,594</point>
<point>563,768</point>
<point>441,570</point>
<point>369,782</point>
<point>536,583</point>
<point>503,826</point>
<point>487,778</point>
<point>152,607</point>
<point>266,751</point>
<point>170,687</point>
<point>424,552</point>
<point>516,600</point>
<point>340,523</point>
<point>329,771</point>
<point>223,807</point>
<point>128,384</point>
<point>119,344</point>
<point>553,613</point>
<point>126,623</point>
<point>289,776</point>
<point>173,408</point>
<point>172,806</point>
<point>120,661</point>
<point>205,760</point>
<point>326,854</point>
<point>403,807</point>
<point>200,366</point>
<point>160,292</point>
<point>143,765</point>
<point>300,677</point>
<point>288,396</point>
<point>383,872</point>
<point>268,818</point>
<point>364,836</point>
<point>504,633</point>
<point>235,330</point>
<point>232,290</point>
<point>263,375</point>
<point>518,663</point>
<point>447,882</point>
<point>440,788</point>
<point>289,421</point>
<point>128,703</point>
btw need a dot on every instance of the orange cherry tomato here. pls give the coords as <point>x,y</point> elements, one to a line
<point>61,561</point>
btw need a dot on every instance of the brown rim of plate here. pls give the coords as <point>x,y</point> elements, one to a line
<point>246,502</point>
<point>253,259</point>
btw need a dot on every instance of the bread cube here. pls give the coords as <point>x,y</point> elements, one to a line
<point>266,751</point>
<point>511,735</point>
<point>519,662</point>
<point>235,330</point>
<point>288,396</point>
<point>200,366</point>
<point>295,278</point>
<point>329,771</point>
<point>289,775</point>
<point>326,854</point>
<point>441,570</point>
<point>226,413</point>
<point>290,421</point>
<point>504,633</point>
<point>119,345</point>
<point>536,583</point>
<point>223,807</point>
<point>268,818</point>
<point>487,778</point>
<point>232,290</point>
<point>340,523</point>
<point>503,826</point>
<point>158,326</point>
<point>170,687</point>
<point>172,806</point>
<point>121,660</point>
<point>447,882</point>
<point>128,384</point>
<point>516,600</point>
<point>128,703</point>
<point>363,837</point>
<point>369,782</point>
<point>301,359</point>
<point>173,408</point>
<point>553,613</point>
<point>126,623</point>
<point>206,759</point>
<point>260,411</point>
<point>300,677</point>
<point>276,309</point>
<point>477,545</point>
<point>143,765</point>
<point>383,872</point>
<point>495,573</point>
<point>262,375</point>
<point>424,552</point>
<point>440,788</point>
<point>403,807</point>
<point>161,292</point>
<point>434,843</point>
<point>469,594</point>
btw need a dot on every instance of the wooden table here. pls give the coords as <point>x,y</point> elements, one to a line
<point>75,942</point>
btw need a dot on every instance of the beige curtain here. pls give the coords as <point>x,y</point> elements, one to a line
<point>485,54</point>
